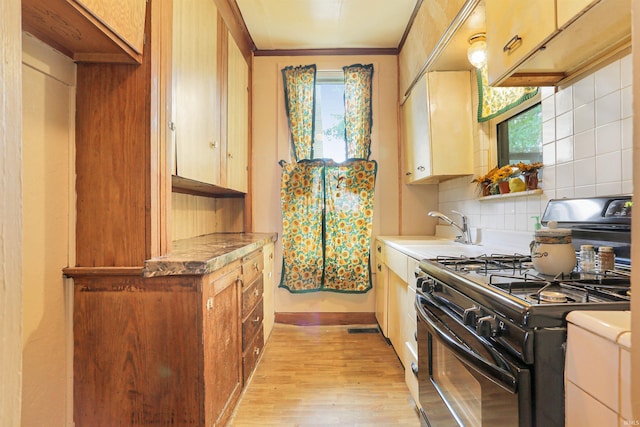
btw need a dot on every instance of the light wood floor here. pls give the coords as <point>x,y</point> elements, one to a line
<point>325,376</point>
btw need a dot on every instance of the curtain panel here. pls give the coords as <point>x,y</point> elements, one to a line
<point>357,101</point>
<point>299,95</point>
<point>493,101</point>
<point>327,207</point>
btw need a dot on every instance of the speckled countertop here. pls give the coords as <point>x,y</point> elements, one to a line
<point>205,254</point>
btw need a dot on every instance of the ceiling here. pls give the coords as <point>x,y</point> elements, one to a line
<point>326,24</point>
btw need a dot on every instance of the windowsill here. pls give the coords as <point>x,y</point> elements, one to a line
<point>508,195</point>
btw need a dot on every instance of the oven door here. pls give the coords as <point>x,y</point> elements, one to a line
<point>463,379</point>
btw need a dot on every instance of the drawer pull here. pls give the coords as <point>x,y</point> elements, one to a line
<point>379,267</point>
<point>209,303</point>
<point>420,168</point>
<point>255,265</point>
<point>379,248</point>
<point>256,351</point>
<point>256,292</point>
<point>257,319</point>
<point>414,369</point>
<point>512,44</point>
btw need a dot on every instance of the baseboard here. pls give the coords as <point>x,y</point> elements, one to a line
<point>326,318</point>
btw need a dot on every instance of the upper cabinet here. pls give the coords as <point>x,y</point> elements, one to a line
<point>547,42</point>
<point>196,104</point>
<point>210,107</point>
<point>437,127</point>
<point>89,30</point>
<point>237,118</point>
<point>429,26</point>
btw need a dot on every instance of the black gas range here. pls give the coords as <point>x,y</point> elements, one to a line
<point>492,330</point>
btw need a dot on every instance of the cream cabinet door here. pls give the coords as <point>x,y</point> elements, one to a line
<point>382,297</point>
<point>196,111</point>
<point>415,133</point>
<point>237,119</point>
<point>515,30</point>
<point>567,10</point>
<point>437,127</point>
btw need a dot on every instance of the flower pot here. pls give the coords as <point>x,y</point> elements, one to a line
<point>486,189</point>
<point>531,179</point>
<point>504,187</point>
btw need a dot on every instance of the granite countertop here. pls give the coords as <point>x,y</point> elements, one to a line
<point>205,254</point>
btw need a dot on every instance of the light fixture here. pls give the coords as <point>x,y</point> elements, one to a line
<point>477,51</point>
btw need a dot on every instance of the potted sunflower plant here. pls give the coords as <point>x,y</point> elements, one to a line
<point>530,173</point>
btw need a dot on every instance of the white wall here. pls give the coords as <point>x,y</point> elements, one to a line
<point>587,151</point>
<point>10,214</point>
<point>271,144</point>
<point>48,234</point>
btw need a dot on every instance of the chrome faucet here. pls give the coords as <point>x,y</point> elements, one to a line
<point>465,237</point>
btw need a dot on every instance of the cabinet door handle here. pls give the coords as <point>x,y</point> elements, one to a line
<point>420,168</point>
<point>379,267</point>
<point>255,265</point>
<point>408,173</point>
<point>512,44</point>
<point>230,155</point>
<point>257,319</point>
<point>256,351</point>
<point>379,248</point>
<point>213,144</point>
<point>209,303</point>
<point>256,292</point>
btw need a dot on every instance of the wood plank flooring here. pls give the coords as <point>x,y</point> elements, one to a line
<point>324,376</point>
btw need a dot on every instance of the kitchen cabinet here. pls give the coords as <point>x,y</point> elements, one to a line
<point>237,119</point>
<point>269,280</point>
<point>437,127</point>
<point>89,30</point>
<point>597,369</point>
<point>550,42</point>
<point>160,350</point>
<point>196,91</point>
<point>252,312</point>
<point>428,29</point>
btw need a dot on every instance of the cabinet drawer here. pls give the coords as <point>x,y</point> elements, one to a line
<point>252,266</point>
<point>251,325</point>
<point>397,262</point>
<point>251,296</point>
<point>252,354</point>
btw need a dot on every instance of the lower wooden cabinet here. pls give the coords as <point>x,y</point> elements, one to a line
<point>252,312</point>
<point>164,350</point>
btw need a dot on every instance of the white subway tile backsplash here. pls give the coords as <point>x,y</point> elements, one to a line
<point>548,131</point>
<point>564,100</point>
<point>608,108</point>
<point>608,138</point>
<point>548,108</point>
<point>564,175</point>
<point>627,133</point>
<point>584,117</point>
<point>584,91</point>
<point>549,154</point>
<point>584,145</point>
<point>564,150</point>
<point>564,125</point>
<point>627,165</point>
<point>609,168</point>
<point>626,71</point>
<point>607,79</point>
<point>585,172</point>
<point>627,102</point>
<point>587,151</point>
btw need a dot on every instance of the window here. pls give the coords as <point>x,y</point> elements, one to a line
<point>520,137</point>
<point>329,138</point>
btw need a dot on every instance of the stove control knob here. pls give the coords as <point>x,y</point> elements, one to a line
<point>488,326</point>
<point>471,315</point>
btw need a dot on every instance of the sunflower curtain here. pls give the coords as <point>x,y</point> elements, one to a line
<point>327,207</point>
<point>493,101</point>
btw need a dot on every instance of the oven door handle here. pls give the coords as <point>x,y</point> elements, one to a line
<point>495,373</point>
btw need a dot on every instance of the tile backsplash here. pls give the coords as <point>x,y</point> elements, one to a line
<point>587,151</point>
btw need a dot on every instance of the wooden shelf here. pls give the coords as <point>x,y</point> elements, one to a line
<point>508,195</point>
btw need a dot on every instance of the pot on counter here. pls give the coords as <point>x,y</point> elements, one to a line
<point>552,251</point>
